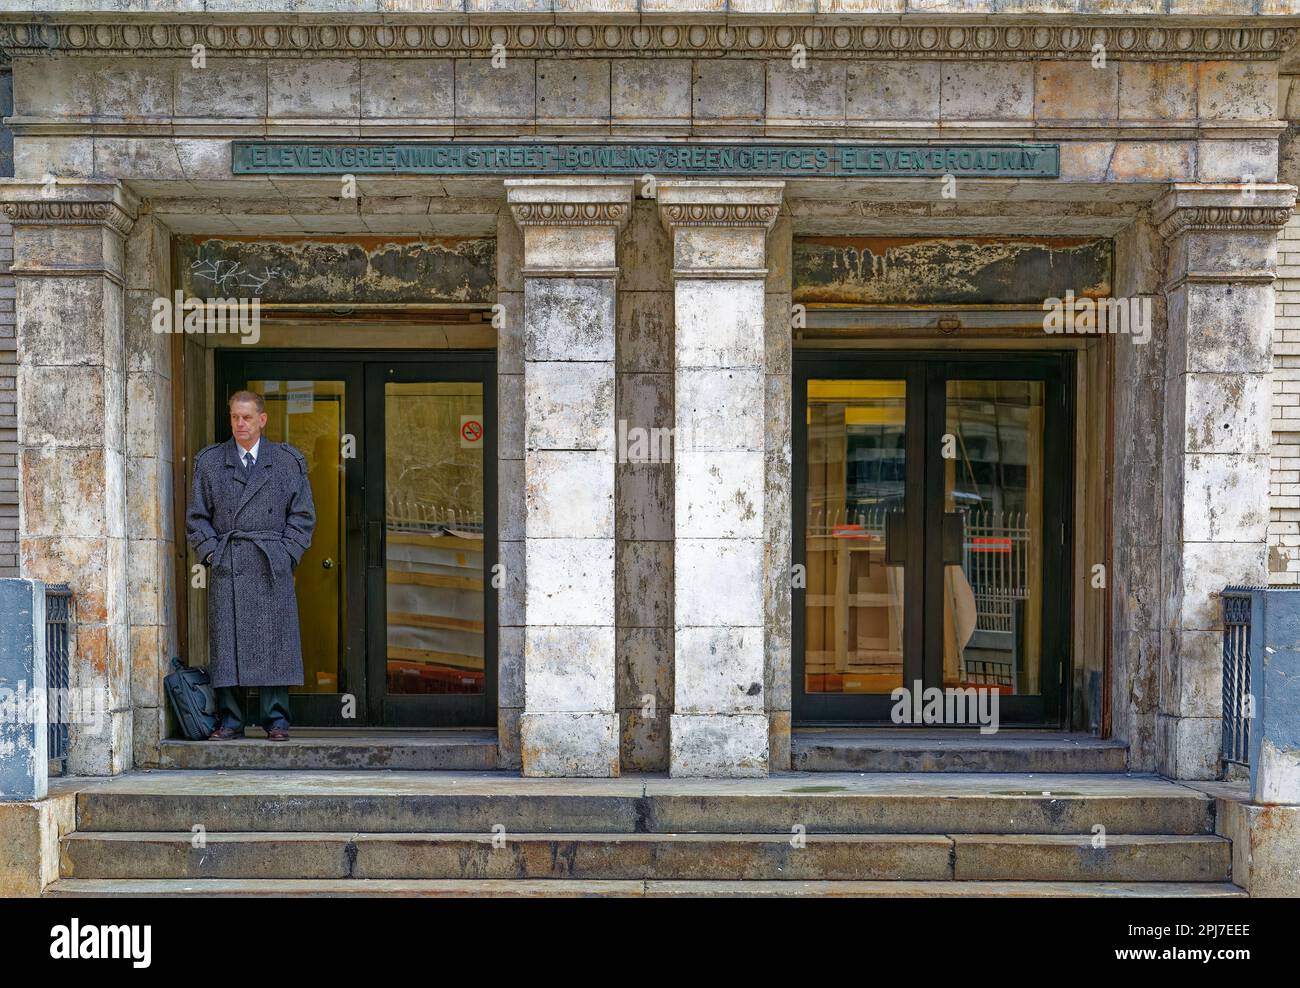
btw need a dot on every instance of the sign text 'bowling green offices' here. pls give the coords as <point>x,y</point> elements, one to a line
<point>661,159</point>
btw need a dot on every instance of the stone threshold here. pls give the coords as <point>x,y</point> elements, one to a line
<point>885,749</point>
<point>441,749</point>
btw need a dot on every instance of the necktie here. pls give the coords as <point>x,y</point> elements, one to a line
<point>248,464</point>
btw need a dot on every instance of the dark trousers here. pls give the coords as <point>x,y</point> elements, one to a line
<point>273,706</point>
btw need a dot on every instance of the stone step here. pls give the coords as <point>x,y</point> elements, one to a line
<point>480,889</point>
<point>599,857</point>
<point>476,803</point>
<point>319,749</point>
<point>906,750</point>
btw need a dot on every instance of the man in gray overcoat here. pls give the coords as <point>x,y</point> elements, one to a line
<point>250,519</point>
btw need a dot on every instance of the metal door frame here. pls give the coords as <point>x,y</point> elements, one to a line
<point>926,373</point>
<point>233,369</point>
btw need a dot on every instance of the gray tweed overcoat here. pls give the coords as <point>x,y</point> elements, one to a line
<point>256,530</point>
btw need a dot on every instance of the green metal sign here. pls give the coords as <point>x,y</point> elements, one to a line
<point>659,158</point>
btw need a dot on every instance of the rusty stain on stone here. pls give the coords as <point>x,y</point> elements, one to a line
<point>949,270</point>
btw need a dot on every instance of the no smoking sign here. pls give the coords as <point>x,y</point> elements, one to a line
<point>471,432</point>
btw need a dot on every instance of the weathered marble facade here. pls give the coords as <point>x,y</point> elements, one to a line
<point>629,582</point>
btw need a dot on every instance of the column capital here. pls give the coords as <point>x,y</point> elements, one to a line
<point>1223,208</point>
<point>1222,232</point>
<point>570,225</point>
<point>719,227</point>
<point>67,202</point>
<point>718,202</point>
<point>70,227</point>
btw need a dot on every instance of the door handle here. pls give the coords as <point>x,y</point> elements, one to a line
<point>896,539</point>
<point>954,537</point>
<point>327,564</point>
<point>375,544</point>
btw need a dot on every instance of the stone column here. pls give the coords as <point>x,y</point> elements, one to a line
<point>569,726</point>
<point>1222,256</point>
<point>719,724</point>
<point>68,267</point>
<point>150,528</point>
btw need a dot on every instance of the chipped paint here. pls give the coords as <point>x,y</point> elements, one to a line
<point>344,269</point>
<point>949,270</point>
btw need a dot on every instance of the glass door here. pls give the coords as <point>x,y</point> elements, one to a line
<point>863,548</point>
<point>395,598</point>
<point>430,540</point>
<point>930,506</point>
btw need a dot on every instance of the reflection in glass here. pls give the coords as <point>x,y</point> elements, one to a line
<point>433,476</point>
<point>309,416</point>
<point>857,470</point>
<point>993,495</point>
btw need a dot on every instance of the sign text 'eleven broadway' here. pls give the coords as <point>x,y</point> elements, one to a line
<point>660,158</point>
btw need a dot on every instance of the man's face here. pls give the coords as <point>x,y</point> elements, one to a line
<point>246,422</point>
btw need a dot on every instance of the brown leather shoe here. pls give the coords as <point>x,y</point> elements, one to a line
<point>278,734</point>
<point>226,733</point>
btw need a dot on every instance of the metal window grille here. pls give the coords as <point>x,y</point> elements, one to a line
<point>1236,603</point>
<point>58,619</point>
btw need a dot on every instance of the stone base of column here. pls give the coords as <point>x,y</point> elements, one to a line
<point>718,746</point>
<point>569,745</point>
<point>1189,746</point>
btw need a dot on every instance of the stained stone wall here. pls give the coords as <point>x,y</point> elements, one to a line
<point>150,523</point>
<point>8,360</point>
<point>8,411</point>
<point>1136,581</point>
<point>510,488</point>
<point>644,493</point>
<point>778,533</point>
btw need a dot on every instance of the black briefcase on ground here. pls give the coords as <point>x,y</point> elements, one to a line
<point>193,700</point>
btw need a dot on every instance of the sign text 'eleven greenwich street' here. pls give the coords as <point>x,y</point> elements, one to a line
<point>871,160</point>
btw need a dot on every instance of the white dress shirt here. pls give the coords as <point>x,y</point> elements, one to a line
<point>244,453</point>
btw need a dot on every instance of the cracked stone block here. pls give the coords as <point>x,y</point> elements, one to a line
<point>569,669</point>
<point>568,319</point>
<point>314,87</point>
<point>719,670</point>
<point>891,91</point>
<point>569,494</point>
<point>567,745</point>
<point>719,323</point>
<point>719,495</point>
<point>569,406</point>
<point>719,408</point>
<point>987,91</point>
<point>570,581</point>
<point>719,583</point>
<point>492,93</point>
<point>719,745</point>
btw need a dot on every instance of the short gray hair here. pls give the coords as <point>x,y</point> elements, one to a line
<point>248,396</point>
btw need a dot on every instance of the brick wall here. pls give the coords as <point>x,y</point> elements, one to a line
<point>8,361</point>
<point>1284,526</point>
